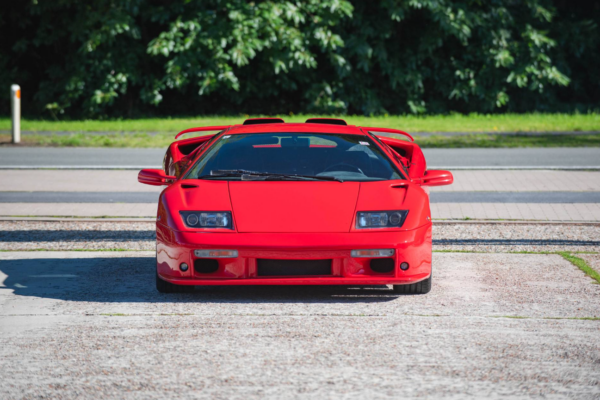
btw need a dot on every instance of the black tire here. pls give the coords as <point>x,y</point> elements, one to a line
<point>422,287</point>
<point>167,287</point>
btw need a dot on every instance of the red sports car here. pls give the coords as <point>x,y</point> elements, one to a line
<point>274,203</point>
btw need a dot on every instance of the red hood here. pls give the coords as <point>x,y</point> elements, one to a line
<point>293,206</point>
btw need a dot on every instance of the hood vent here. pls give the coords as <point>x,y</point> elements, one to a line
<point>258,121</point>
<point>329,121</point>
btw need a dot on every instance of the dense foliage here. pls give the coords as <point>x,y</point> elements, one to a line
<point>129,58</point>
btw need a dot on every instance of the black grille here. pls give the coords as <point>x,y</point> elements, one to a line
<point>206,265</point>
<point>293,267</point>
<point>382,265</point>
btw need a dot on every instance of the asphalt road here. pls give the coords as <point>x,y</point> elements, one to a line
<point>436,158</point>
<point>91,325</point>
<point>74,156</point>
<point>435,197</point>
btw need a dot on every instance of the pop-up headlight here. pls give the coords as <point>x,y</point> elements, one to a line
<point>380,219</point>
<point>207,219</point>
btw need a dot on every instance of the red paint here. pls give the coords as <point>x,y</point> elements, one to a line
<point>295,220</point>
<point>293,207</point>
<point>155,177</point>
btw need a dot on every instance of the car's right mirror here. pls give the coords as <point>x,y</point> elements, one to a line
<point>436,177</point>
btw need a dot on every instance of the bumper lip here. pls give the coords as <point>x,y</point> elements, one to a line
<point>175,247</point>
<point>372,280</point>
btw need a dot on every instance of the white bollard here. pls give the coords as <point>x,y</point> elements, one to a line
<point>15,103</point>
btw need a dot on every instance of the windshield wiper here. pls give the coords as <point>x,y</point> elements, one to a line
<point>222,173</point>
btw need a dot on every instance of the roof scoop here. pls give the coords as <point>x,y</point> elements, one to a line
<point>258,121</point>
<point>329,121</point>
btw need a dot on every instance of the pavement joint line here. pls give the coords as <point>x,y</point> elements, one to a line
<point>594,318</point>
<point>436,222</point>
<point>457,168</point>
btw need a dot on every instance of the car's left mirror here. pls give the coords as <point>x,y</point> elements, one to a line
<point>156,177</point>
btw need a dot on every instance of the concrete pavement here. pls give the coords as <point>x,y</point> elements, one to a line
<point>91,325</point>
<point>464,181</point>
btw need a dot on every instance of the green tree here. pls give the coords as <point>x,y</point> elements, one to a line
<point>111,58</point>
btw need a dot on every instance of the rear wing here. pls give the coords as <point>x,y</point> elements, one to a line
<point>181,152</point>
<point>408,151</point>
<point>204,129</point>
<point>388,130</point>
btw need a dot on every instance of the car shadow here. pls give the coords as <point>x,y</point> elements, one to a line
<point>132,279</point>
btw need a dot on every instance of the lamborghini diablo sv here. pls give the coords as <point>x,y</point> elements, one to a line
<point>274,203</point>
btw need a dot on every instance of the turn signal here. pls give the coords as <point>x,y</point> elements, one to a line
<point>216,253</point>
<point>373,253</point>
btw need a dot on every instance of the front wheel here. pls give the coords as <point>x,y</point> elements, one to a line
<point>167,287</point>
<point>422,287</point>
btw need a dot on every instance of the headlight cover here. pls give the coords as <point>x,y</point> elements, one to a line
<point>207,219</point>
<point>380,219</point>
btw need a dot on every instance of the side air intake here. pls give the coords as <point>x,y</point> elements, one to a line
<point>330,121</point>
<point>257,121</point>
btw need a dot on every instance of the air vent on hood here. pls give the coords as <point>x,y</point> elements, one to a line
<point>257,121</point>
<point>330,121</point>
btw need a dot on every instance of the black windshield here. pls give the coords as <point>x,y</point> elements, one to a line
<point>344,157</point>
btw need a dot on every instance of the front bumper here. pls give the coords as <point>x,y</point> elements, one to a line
<point>175,247</point>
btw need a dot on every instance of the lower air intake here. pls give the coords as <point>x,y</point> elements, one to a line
<point>206,265</point>
<point>382,265</point>
<point>293,267</point>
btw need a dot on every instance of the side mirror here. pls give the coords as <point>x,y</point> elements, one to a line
<point>156,177</point>
<point>436,177</point>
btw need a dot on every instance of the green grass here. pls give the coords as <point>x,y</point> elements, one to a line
<point>135,132</point>
<point>533,122</point>
<point>582,265</point>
